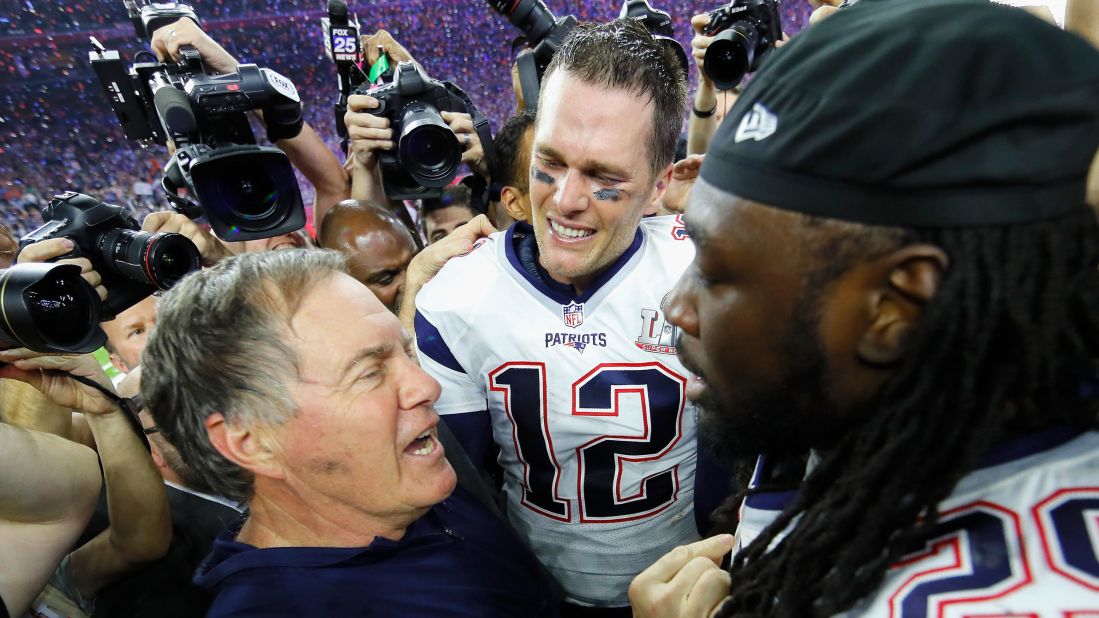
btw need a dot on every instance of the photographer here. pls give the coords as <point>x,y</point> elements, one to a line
<point>140,528</point>
<point>710,106</point>
<point>307,152</point>
<point>370,133</point>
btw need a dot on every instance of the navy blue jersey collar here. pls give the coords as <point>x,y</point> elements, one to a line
<point>1025,446</point>
<point>522,252</point>
<point>229,556</point>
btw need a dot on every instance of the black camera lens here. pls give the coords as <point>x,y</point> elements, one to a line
<point>730,55</point>
<point>48,308</point>
<point>156,259</point>
<point>248,192</point>
<point>530,16</point>
<point>428,148</point>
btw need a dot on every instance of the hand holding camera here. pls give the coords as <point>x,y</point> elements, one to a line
<point>416,149</point>
<point>112,252</point>
<point>209,247</point>
<point>53,249</point>
<point>473,153</point>
<point>52,374</point>
<point>167,41</point>
<point>743,33</point>
<point>367,131</point>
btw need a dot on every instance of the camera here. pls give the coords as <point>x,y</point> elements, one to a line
<point>544,33</point>
<point>746,32</point>
<point>133,264</point>
<point>428,155</point>
<point>659,24</point>
<point>49,308</point>
<point>246,191</point>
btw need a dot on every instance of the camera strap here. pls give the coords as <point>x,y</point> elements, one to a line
<point>130,406</point>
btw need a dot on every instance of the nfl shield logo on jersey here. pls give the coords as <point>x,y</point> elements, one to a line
<point>573,314</point>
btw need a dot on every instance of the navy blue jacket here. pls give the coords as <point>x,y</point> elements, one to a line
<point>457,560</point>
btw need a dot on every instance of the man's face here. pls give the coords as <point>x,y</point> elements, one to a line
<point>590,176</point>
<point>750,330</point>
<point>128,333</point>
<point>379,259</point>
<point>438,224</point>
<point>365,435</point>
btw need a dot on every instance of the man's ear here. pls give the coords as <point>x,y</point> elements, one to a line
<point>512,201</point>
<point>158,457</point>
<point>913,275</point>
<point>663,179</point>
<point>118,363</point>
<point>245,446</point>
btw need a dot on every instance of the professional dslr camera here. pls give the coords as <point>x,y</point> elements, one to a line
<point>49,308</point>
<point>545,34</point>
<point>246,191</point>
<point>746,32</point>
<point>659,24</point>
<point>133,264</point>
<point>428,155</point>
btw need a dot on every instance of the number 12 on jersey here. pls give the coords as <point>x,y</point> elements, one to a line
<point>600,460</point>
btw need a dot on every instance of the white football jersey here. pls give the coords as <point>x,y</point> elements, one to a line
<point>1018,537</point>
<point>586,397</point>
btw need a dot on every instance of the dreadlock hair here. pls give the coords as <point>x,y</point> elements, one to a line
<point>1005,347</point>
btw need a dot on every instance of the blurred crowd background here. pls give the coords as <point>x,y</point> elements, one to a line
<point>58,132</point>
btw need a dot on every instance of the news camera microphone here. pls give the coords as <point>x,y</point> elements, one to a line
<point>341,44</point>
<point>174,108</point>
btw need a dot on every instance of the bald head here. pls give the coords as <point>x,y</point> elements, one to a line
<point>377,245</point>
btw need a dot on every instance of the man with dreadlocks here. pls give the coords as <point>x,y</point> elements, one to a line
<point>896,274</point>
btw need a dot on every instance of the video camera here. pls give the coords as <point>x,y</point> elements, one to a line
<point>428,155</point>
<point>746,32</point>
<point>49,308</point>
<point>132,263</point>
<point>246,191</point>
<point>545,34</point>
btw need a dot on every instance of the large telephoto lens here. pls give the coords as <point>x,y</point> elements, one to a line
<point>157,259</point>
<point>729,56</point>
<point>530,16</point>
<point>428,148</point>
<point>49,308</point>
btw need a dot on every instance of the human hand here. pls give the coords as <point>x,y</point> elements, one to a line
<point>430,261</point>
<point>820,14</point>
<point>473,153</point>
<point>459,242</point>
<point>367,132</point>
<point>687,582</point>
<point>52,374</point>
<point>210,248</point>
<point>47,250</point>
<point>389,45</point>
<point>684,175</point>
<point>699,44</point>
<point>8,246</point>
<point>168,39</point>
